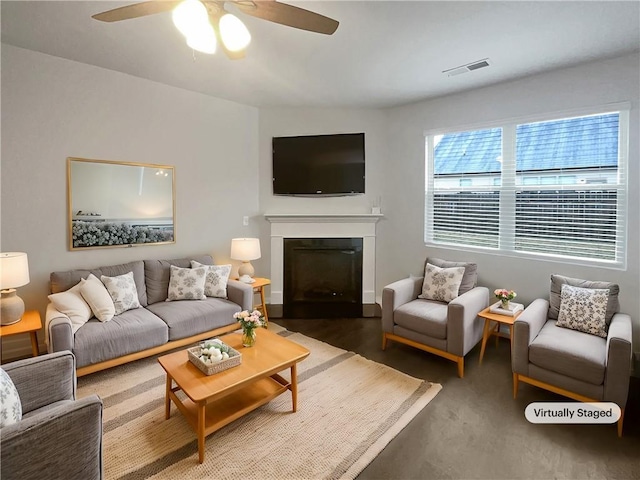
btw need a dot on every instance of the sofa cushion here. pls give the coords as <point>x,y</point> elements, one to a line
<point>470,277</point>
<point>97,296</point>
<point>190,318</point>
<point>187,283</point>
<point>568,352</point>
<point>10,406</point>
<point>62,281</point>
<point>158,272</point>
<point>583,309</point>
<point>441,284</point>
<point>217,278</point>
<point>423,316</point>
<point>130,332</point>
<point>73,305</point>
<point>123,292</point>
<point>613,305</point>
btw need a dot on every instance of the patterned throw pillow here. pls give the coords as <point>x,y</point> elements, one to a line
<point>441,284</point>
<point>187,283</point>
<point>215,284</point>
<point>584,309</point>
<point>123,291</point>
<point>10,406</point>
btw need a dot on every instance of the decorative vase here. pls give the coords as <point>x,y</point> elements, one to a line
<point>248,337</point>
<point>504,304</point>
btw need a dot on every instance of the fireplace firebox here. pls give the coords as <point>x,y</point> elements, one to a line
<point>322,277</point>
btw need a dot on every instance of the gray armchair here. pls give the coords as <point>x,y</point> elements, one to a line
<point>449,330</point>
<point>58,437</point>
<point>577,365</point>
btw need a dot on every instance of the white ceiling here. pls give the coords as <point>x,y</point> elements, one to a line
<point>384,53</point>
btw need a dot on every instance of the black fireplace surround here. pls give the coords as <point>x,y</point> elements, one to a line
<point>322,277</point>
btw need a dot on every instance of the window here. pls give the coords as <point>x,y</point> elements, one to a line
<point>553,188</point>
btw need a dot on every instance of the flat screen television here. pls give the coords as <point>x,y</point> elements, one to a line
<point>319,165</point>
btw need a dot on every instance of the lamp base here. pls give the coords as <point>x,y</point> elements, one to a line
<point>246,269</point>
<point>11,307</point>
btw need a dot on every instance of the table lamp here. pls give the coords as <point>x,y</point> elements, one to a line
<point>14,273</point>
<point>245,249</point>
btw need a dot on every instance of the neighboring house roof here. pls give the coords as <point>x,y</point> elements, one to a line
<point>572,143</point>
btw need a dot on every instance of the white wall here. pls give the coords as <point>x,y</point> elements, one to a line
<point>54,108</point>
<point>401,246</point>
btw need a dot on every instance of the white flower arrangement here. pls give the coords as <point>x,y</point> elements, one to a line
<point>249,320</point>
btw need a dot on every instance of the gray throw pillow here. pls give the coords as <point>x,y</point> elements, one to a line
<point>583,309</point>
<point>187,283</point>
<point>123,292</point>
<point>470,277</point>
<point>613,304</point>
<point>10,406</point>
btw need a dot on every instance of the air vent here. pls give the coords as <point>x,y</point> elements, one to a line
<point>469,67</point>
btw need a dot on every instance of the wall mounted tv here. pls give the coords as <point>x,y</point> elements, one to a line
<point>319,165</point>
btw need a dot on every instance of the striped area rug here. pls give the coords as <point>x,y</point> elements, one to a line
<point>349,409</point>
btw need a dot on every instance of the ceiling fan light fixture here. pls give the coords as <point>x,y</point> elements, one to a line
<point>203,40</point>
<point>234,34</point>
<point>190,16</point>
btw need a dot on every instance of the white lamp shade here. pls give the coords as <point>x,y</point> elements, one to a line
<point>14,270</point>
<point>245,249</point>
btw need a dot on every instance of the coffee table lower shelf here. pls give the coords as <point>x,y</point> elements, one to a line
<point>212,414</point>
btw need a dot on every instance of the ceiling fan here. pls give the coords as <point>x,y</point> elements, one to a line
<point>206,23</point>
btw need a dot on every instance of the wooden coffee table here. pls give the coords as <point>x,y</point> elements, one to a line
<point>214,401</point>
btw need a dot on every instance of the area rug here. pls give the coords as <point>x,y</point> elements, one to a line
<point>349,409</point>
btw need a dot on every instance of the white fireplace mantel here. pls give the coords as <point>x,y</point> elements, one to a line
<point>318,225</point>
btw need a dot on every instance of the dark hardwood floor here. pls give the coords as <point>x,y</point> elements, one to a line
<point>474,429</point>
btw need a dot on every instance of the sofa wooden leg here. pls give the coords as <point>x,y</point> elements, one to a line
<point>384,341</point>
<point>461,367</point>
<point>515,385</point>
<point>620,420</point>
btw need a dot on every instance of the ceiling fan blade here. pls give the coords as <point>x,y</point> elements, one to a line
<point>136,10</point>
<point>289,15</point>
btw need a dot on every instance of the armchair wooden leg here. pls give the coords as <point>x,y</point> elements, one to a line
<point>384,341</point>
<point>620,420</point>
<point>515,385</point>
<point>461,367</point>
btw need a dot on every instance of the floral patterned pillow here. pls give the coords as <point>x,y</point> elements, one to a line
<point>584,309</point>
<point>215,284</point>
<point>441,284</point>
<point>123,292</point>
<point>10,406</point>
<point>187,283</point>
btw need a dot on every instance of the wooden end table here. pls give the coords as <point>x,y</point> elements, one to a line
<point>499,320</point>
<point>258,287</point>
<point>213,401</point>
<point>30,323</point>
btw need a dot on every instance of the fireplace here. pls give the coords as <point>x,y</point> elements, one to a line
<point>286,226</point>
<point>322,277</point>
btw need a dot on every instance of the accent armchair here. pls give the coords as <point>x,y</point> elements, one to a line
<point>589,358</point>
<point>58,437</point>
<point>425,315</point>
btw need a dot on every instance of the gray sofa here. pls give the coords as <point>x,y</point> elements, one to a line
<point>58,436</point>
<point>156,327</point>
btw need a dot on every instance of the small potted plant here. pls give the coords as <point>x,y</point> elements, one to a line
<point>249,321</point>
<point>505,296</point>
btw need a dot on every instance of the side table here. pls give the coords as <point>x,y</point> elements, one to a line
<point>258,287</point>
<point>499,320</point>
<point>30,324</point>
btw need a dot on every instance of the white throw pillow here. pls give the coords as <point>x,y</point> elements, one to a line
<point>123,291</point>
<point>97,296</point>
<point>215,284</point>
<point>441,284</point>
<point>584,309</point>
<point>73,306</point>
<point>10,406</point>
<point>187,283</point>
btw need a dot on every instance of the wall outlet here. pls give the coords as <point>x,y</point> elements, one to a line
<point>245,221</point>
